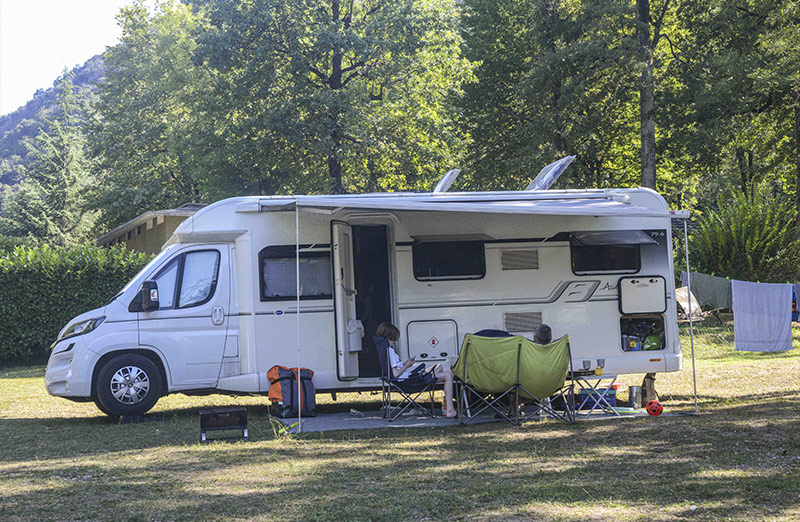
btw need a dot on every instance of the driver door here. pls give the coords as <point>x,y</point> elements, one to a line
<point>191,323</point>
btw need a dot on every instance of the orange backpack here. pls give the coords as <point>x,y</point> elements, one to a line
<point>283,391</point>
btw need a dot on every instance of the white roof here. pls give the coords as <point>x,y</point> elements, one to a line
<point>565,203</point>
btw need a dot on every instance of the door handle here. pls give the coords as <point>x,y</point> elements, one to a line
<point>350,293</point>
<point>217,315</point>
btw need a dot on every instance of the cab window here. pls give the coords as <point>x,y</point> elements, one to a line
<point>188,280</point>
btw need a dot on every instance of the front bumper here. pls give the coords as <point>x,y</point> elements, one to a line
<point>69,371</point>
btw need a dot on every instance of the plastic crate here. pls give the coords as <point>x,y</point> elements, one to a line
<point>611,398</point>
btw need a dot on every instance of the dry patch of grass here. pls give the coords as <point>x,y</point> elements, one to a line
<point>738,460</point>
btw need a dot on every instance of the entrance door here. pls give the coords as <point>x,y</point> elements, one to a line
<point>374,297</point>
<point>348,337</point>
<point>190,325</point>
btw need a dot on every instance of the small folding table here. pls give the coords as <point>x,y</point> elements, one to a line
<point>590,383</point>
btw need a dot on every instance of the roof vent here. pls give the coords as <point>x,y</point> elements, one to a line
<point>447,181</point>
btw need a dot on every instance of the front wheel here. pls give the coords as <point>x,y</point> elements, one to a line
<point>128,384</point>
<point>101,407</point>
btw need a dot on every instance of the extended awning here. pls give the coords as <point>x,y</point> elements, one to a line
<point>612,237</point>
<point>551,206</point>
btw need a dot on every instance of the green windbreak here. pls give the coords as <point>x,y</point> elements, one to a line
<point>489,364</point>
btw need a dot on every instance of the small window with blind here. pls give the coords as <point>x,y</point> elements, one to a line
<point>278,279</point>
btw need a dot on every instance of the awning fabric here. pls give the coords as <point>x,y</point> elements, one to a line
<point>612,237</point>
<point>566,207</point>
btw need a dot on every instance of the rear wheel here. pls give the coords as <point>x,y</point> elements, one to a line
<point>128,384</point>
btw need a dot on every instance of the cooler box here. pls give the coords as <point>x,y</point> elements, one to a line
<point>611,398</point>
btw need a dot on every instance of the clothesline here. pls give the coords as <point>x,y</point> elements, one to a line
<point>763,312</point>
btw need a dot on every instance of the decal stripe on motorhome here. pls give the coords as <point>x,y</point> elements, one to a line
<point>554,296</point>
<point>492,241</point>
<point>290,312</point>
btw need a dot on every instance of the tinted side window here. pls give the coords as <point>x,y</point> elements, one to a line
<point>605,258</point>
<point>449,260</point>
<point>199,278</point>
<point>278,274</point>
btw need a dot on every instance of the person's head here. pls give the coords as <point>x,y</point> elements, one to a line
<point>543,334</point>
<point>389,331</point>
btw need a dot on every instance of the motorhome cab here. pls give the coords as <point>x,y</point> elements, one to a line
<point>218,307</point>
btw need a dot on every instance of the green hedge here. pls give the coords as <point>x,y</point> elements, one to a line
<point>9,243</point>
<point>41,288</point>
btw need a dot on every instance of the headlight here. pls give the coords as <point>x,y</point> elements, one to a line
<point>80,328</point>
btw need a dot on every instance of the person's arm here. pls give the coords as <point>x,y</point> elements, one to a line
<point>398,370</point>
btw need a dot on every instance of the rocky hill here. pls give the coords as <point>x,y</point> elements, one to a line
<point>26,121</point>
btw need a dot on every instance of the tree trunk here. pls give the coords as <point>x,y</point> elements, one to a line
<point>646,96</point>
<point>558,140</point>
<point>335,171</point>
<point>742,170</point>
<point>551,12</point>
<point>335,83</point>
<point>797,153</point>
<point>264,182</point>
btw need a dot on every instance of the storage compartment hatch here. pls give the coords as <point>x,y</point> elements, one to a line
<point>642,295</point>
<point>432,340</point>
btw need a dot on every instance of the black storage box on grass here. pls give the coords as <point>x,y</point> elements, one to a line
<point>223,420</point>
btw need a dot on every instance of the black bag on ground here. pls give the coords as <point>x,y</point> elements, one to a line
<point>283,392</point>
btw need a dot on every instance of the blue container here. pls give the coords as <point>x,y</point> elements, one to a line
<point>611,398</point>
<point>631,343</point>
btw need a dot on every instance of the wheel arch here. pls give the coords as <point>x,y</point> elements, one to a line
<point>150,354</point>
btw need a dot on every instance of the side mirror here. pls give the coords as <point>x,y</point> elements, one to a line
<point>149,296</point>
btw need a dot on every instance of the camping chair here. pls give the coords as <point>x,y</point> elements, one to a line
<point>409,393</point>
<point>492,373</point>
<point>682,296</point>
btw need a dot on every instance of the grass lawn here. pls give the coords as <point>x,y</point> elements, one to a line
<point>738,460</point>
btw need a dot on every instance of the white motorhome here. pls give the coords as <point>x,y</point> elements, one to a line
<point>594,264</point>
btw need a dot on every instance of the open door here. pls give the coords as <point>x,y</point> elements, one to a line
<point>348,329</point>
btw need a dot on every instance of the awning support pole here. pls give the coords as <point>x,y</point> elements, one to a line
<point>691,321</point>
<point>297,301</point>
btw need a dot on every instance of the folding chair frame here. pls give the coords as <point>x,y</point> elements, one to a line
<point>469,398</point>
<point>698,314</point>
<point>390,383</point>
<point>409,399</point>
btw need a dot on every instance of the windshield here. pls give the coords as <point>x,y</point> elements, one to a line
<point>155,261</point>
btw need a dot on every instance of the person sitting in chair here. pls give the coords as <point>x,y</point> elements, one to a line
<point>543,334</point>
<point>401,370</point>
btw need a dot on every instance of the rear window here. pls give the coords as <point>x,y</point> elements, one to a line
<point>447,260</point>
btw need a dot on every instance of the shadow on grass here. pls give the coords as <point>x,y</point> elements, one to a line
<point>712,400</point>
<point>469,473</point>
